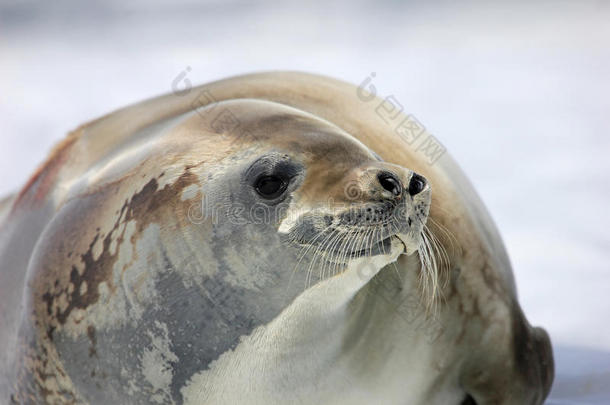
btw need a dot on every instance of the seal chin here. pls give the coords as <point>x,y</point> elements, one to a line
<point>404,245</point>
<point>390,247</point>
<point>366,267</point>
<point>344,252</point>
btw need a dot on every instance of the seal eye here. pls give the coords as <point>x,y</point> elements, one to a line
<point>270,187</point>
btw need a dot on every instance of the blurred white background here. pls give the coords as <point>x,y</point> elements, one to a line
<point>518,92</point>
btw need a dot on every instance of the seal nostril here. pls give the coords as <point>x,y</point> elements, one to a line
<point>417,184</point>
<point>390,183</point>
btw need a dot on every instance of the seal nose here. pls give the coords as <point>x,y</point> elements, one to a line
<point>389,182</point>
<point>417,184</point>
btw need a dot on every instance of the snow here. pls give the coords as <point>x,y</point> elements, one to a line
<point>517,92</point>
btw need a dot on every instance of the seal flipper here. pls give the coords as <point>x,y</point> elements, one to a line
<point>533,357</point>
<point>516,370</point>
<point>546,363</point>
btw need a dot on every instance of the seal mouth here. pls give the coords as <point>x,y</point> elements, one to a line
<point>374,248</point>
<point>380,247</point>
<point>404,245</point>
<point>367,231</point>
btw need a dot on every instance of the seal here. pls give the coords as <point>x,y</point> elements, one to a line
<point>264,239</point>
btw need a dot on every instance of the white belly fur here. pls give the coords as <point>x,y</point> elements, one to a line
<point>304,356</point>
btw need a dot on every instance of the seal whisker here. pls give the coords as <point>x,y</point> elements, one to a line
<point>328,240</point>
<point>314,258</point>
<point>428,273</point>
<point>437,259</point>
<point>383,247</point>
<point>325,247</point>
<point>444,260</point>
<point>339,241</point>
<point>332,245</point>
<point>423,254</point>
<point>319,253</point>
<point>343,251</point>
<point>307,248</point>
<point>338,261</point>
<point>451,238</point>
<point>362,239</point>
<point>394,230</point>
<point>433,272</point>
<point>352,247</point>
<point>346,247</point>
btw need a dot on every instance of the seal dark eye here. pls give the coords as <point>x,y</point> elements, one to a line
<point>270,187</point>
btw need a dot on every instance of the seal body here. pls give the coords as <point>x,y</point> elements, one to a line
<point>265,239</point>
